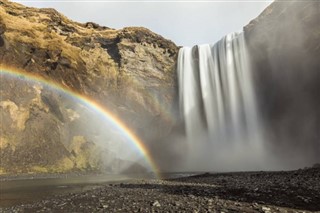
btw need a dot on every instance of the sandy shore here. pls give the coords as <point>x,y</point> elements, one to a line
<point>294,191</point>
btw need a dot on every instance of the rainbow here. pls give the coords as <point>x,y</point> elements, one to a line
<point>90,103</point>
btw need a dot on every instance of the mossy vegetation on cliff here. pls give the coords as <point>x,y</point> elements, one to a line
<point>115,67</point>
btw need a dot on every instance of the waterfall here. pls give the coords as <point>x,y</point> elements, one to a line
<point>217,102</point>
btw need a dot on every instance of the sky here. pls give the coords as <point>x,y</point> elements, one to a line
<point>186,23</point>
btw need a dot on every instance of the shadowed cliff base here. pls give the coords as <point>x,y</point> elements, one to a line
<point>284,45</point>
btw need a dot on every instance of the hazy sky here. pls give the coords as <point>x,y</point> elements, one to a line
<point>185,23</point>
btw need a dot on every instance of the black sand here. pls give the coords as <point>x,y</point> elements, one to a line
<point>293,191</point>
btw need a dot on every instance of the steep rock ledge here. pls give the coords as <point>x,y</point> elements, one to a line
<point>284,44</point>
<point>130,71</point>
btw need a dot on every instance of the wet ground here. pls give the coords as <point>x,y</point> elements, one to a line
<point>28,189</point>
<point>293,191</point>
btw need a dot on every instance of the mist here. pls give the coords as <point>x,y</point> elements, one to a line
<point>283,61</point>
<point>286,72</point>
<point>284,104</point>
<point>90,138</point>
<point>95,119</point>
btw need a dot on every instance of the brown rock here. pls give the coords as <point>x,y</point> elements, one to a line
<point>130,71</point>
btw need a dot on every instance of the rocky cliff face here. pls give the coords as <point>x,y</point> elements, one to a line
<point>284,43</point>
<point>130,71</point>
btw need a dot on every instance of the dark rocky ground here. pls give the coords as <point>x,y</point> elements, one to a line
<point>293,191</point>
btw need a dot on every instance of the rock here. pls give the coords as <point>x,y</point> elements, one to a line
<point>104,206</point>
<point>130,71</point>
<point>284,46</point>
<point>316,165</point>
<point>156,204</point>
<point>266,209</point>
<point>177,204</point>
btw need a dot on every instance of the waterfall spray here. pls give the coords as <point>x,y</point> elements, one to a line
<point>217,102</point>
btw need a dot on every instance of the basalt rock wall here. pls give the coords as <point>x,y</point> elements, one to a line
<point>284,45</point>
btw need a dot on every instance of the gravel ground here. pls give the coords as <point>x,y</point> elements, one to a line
<point>294,191</point>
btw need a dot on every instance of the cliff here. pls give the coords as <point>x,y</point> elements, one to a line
<point>284,45</point>
<point>130,71</point>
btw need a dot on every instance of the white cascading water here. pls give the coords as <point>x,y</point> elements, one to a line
<point>217,102</point>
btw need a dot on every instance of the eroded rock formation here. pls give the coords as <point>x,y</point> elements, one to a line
<point>130,71</point>
<point>284,43</point>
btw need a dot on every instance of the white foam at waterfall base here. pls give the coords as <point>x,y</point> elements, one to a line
<point>217,103</point>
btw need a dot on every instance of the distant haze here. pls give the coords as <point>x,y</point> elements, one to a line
<point>185,23</point>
